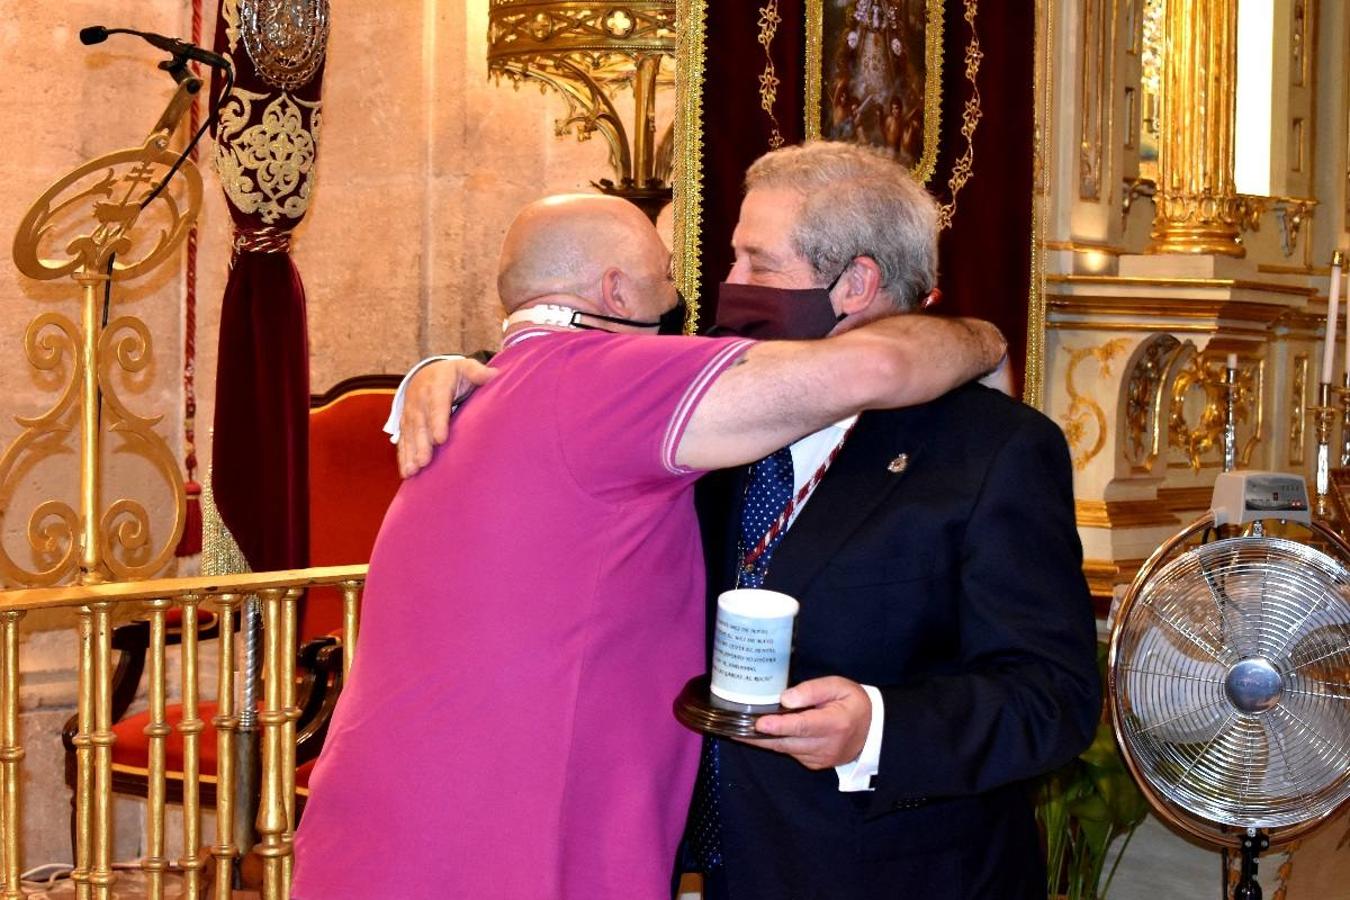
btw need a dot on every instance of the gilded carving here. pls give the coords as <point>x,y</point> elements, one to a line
<point>1085,416</point>
<point>1291,213</point>
<point>1097,87</point>
<point>1205,377</point>
<point>586,52</point>
<point>1298,410</point>
<point>268,168</point>
<point>1144,398</point>
<point>1150,36</point>
<point>1196,209</point>
<point>85,227</point>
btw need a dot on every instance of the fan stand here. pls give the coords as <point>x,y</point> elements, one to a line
<point>1253,842</point>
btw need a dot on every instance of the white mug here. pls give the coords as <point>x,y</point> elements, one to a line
<point>752,645</point>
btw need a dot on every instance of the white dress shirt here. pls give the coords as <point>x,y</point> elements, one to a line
<point>807,456</point>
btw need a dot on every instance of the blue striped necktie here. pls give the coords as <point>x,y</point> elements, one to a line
<point>767,492</point>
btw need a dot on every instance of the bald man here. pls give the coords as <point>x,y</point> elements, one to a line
<point>506,730</point>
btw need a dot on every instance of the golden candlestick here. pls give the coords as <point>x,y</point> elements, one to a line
<point>116,191</point>
<point>1323,413</point>
<point>1344,391</point>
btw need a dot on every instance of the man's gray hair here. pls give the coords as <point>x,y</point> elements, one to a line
<point>857,202</point>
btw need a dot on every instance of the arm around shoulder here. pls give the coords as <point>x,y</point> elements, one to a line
<point>783,390</point>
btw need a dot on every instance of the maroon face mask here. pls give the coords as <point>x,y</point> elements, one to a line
<point>769,313</point>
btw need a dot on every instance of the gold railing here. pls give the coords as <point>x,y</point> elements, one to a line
<point>277,593</point>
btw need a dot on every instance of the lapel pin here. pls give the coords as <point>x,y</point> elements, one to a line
<point>899,464</point>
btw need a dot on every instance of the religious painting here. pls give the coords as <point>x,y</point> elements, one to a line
<point>874,75</point>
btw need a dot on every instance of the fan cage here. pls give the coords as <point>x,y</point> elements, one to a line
<point>1202,745</point>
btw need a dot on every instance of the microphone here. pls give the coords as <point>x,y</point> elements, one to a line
<point>97,34</point>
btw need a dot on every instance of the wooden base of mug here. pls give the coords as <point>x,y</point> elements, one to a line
<point>699,709</point>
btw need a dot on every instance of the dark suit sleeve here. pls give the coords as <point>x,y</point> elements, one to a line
<point>1022,695</point>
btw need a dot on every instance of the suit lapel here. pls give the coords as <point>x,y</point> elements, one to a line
<point>858,483</point>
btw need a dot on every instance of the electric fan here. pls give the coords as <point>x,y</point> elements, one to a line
<point>1229,674</point>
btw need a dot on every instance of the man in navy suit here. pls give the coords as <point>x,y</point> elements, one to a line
<point>945,648</point>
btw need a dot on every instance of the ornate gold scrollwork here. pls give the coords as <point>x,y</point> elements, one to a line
<point>971,113</point>
<point>1083,411</point>
<point>268,168</point>
<point>136,225</point>
<point>769,20</point>
<point>1144,399</point>
<point>584,51</point>
<point>110,189</point>
<point>126,523</point>
<point>1205,375</point>
<point>1291,213</point>
<point>1298,409</point>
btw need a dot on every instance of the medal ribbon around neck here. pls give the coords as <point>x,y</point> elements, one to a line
<point>748,559</point>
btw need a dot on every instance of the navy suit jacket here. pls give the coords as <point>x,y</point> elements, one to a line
<point>956,587</point>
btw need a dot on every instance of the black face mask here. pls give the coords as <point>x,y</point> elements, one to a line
<point>672,320</point>
<point>769,313</point>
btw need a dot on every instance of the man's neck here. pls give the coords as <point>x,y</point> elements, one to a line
<point>566,312</point>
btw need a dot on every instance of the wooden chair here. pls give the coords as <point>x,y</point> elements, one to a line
<point>353,476</point>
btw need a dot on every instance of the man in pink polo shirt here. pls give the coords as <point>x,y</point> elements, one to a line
<point>506,731</point>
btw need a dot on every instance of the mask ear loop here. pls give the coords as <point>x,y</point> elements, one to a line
<point>830,289</point>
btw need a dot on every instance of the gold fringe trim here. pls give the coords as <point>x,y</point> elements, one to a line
<point>690,47</point>
<point>220,552</point>
<point>1033,380</point>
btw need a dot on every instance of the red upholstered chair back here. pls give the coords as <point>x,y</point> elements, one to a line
<point>353,475</point>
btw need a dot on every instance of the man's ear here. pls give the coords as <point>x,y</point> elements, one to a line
<point>614,291</point>
<point>858,288</point>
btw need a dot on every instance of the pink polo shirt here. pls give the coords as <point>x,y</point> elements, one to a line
<point>535,603</point>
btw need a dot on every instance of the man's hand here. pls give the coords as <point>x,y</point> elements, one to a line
<point>829,731</point>
<point>425,423</point>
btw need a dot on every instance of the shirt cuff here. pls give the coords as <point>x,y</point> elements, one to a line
<point>396,407</point>
<point>857,775</point>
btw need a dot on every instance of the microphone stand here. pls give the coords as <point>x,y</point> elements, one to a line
<point>84,227</point>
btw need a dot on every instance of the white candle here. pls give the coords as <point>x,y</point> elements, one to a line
<point>1232,360</point>
<point>1333,304</point>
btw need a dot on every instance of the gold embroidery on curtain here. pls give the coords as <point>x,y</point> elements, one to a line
<point>267,168</point>
<point>691,45</point>
<point>769,20</point>
<point>229,11</point>
<point>964,166</point>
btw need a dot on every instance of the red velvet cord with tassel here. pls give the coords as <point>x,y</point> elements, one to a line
<point>190,544</point>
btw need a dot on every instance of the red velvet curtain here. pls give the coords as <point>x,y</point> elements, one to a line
<point>266,139</point>
<point>737,128</point>
<point>986,252</point>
